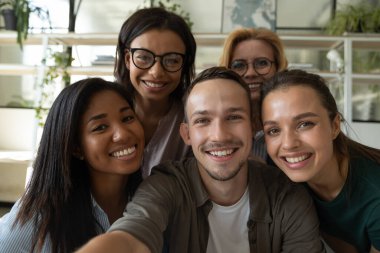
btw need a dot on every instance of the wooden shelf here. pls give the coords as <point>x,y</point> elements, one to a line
<point>68,39</point>
<point>92,71</point>
<point>19,157</point>
<point>17,69</point>
<point>370,77</point>
<point>204,39</point>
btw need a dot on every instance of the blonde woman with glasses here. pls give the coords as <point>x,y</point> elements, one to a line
<point>256,55</point>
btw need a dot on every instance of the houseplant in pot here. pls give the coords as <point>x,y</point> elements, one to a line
<point>7,10</point>
<point>360,18</point>
<point>170,6</point>
<point>22,10</point>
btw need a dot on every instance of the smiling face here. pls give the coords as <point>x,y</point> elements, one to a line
<point>219,129</point>
<point>249,50</point>
<point>111,137</point>
<point>299,133</point>
<point>155,83</point>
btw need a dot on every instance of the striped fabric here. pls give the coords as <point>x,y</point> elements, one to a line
<point>19,238</point>
<point>258,146</point>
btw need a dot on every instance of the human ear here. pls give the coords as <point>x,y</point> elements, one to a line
<point>78,153</point>
<point>127,57</point>
<point>336,126</point>
<point>184,132</point>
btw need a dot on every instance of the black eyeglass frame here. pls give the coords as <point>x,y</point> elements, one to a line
<point>155,56</point>
<point>253,65</point>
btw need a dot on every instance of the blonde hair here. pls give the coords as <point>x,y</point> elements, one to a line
<point>243,34</point>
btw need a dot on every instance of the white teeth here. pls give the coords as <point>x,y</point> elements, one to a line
<point>254,86</point>
<point>296,159</point>
<point>154,85</point>
<point>221,153</point>
<point>124,152</point>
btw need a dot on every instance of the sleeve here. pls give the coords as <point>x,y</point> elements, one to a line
<point>300,223</point>
<point>147,215</point>
<point>15,238</point>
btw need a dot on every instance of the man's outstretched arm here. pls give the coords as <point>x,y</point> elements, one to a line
<point>115,242</point>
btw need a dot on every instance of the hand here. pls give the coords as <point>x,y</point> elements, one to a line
<point>373,250</point>
<point>115,242</point>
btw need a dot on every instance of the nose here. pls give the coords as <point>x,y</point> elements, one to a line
<point>290,140</point>
<point>219,131</point>
<point>156,70</point>
<point>250,71</point>
<point>120,133</point>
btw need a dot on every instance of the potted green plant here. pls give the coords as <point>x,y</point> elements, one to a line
<point>22,10</point>
<point>170,6</point>
<point>361,18</point>
<point>9,15</point>
<point>375,20</point>
<point>57,64</point>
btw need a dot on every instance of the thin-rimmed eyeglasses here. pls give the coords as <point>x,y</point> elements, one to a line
<point>261,65</point>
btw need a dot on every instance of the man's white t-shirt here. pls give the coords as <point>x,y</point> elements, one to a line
<point>228,227</point>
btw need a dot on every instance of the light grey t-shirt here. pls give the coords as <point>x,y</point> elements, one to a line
<point>166,142</point>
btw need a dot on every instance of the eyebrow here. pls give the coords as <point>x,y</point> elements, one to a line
<point>305,115</point>
<point>206,112</point>
<point>296,118</point>
<point>103,115</point>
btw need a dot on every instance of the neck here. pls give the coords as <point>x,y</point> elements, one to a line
<point>329,184</point>
<point>110,194</point>
<point>146,108</point>
<point>226,193</point>
<point>257,126</point>
<point>150,112</point>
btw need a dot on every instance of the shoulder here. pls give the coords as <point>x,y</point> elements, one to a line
<point>365,169</point>
<point>171,175</point>
<point>173,168</point>
<point>364,164</point>
<point>176,111</point>
<point>270,175</point>
<point>15,237</point>
<point>276,184</point>
<point>286,207</point>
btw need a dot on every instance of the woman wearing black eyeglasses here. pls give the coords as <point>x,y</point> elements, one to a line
<point>256,55</point>
<point>155,61</point>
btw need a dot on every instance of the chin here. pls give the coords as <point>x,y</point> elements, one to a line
<point>298,178</point>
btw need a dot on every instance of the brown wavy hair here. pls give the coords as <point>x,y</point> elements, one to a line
<point>344,147</point>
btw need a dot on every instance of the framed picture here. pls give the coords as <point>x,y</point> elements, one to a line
<point>297,14</point>
<point>248,13</point>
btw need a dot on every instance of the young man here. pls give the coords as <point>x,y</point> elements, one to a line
<point>218,201</point>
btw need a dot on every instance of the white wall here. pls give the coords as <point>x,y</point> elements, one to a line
<point>17,143</point>
<point>366,133</point>
<point>17,129</point>
<point>12,181</point>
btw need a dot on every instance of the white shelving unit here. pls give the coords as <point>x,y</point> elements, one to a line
<point>209,49</point>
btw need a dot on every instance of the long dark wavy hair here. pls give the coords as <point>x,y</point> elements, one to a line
<point>144,20</point>
<point>344,147</point>
<point>58,198</point>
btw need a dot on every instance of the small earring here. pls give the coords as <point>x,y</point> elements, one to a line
<point>80,157</point>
